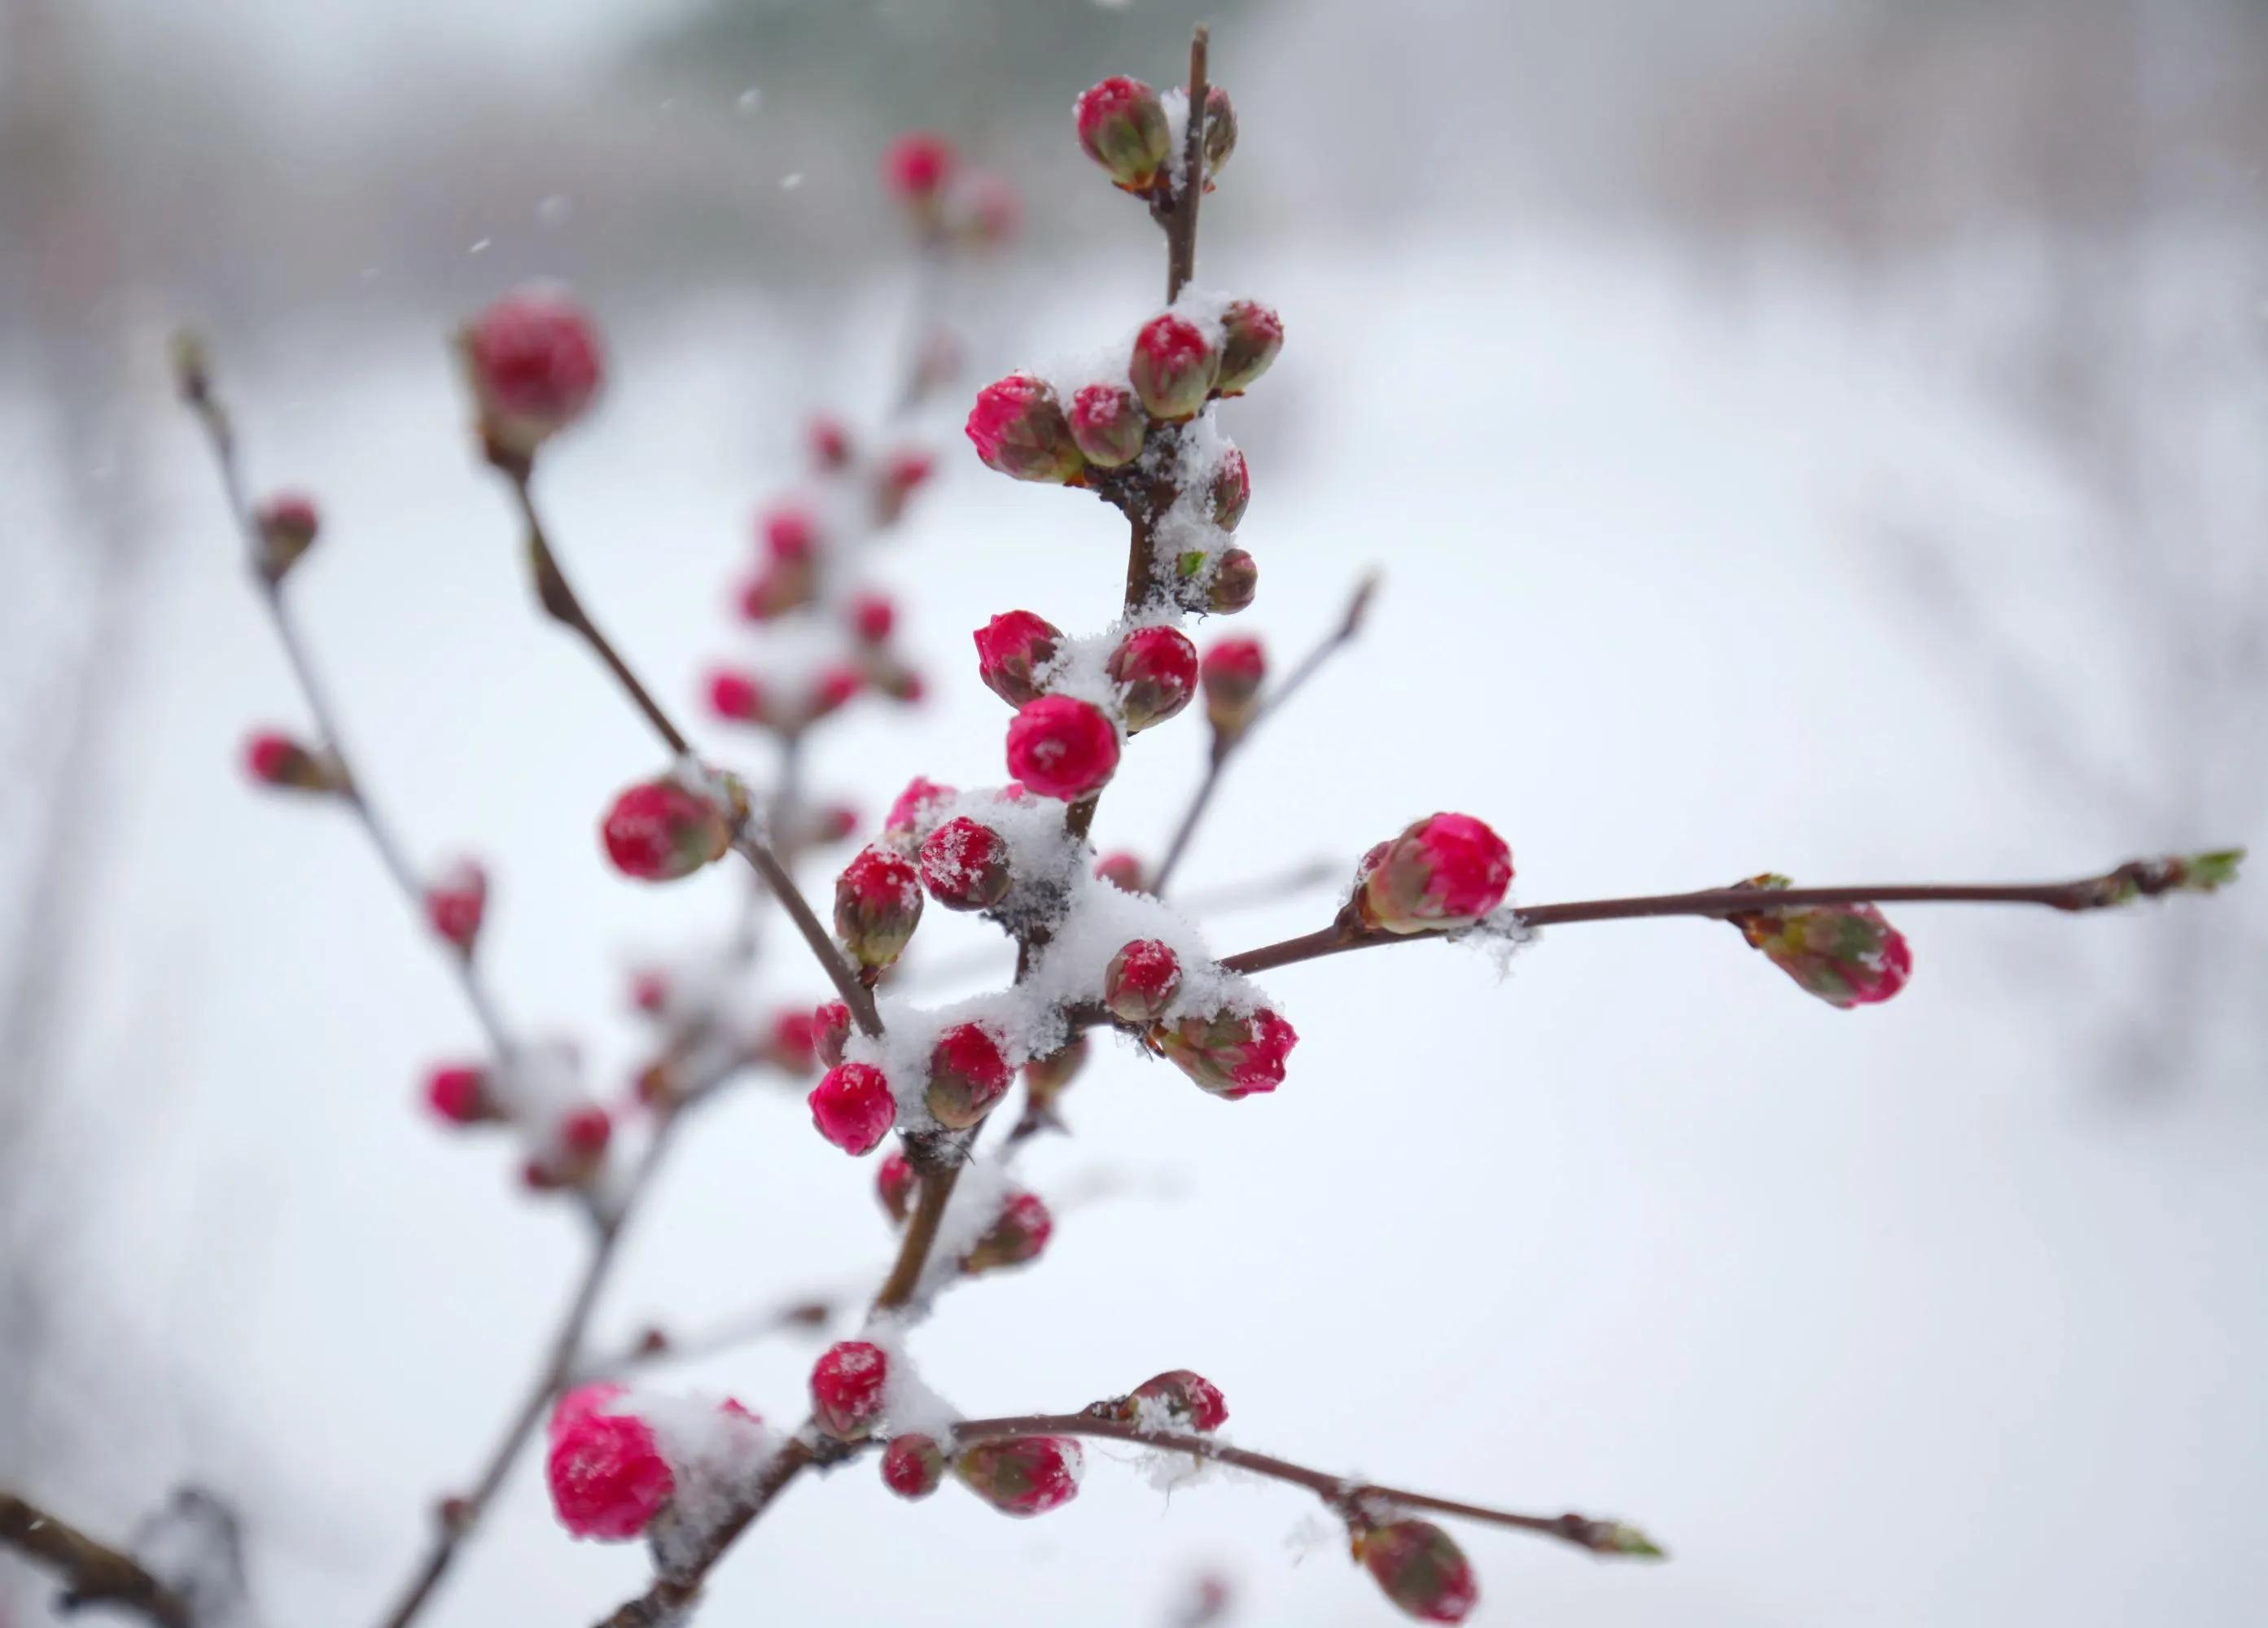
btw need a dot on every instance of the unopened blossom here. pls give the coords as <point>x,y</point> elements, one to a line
<point>535,364</point>
<point>792,1042</point>
<point>1110,424</point>
<point>896,1183</point>
<point>830,1026</point>
<point>967,1074</point>
<point>661,830</point>
<point>1017,428</point>
<point>738,697</point>
<point>964,864</point>
<point>1123,870</point>
<point>790,535</point>
<point>1232,672</point>
<point>878,903</point>
<point>1847,954</point>
<point>1058,746</point>
<point>830,441</point>
<point>1178,1398</point>
<point>1252,336</point>
<point>459,1093</point>
<point>1446,871</point>
<point>1141,981</point>
<point>274,759</point>
<point>1420,1569</point>
<point>1156,672</point>
<point>914,810</point>
<point>1026,1475</point>
<point>847,1385</point>
<point>287,523</point>
<point>1220,138</point>
<point>852,1107</point>
<point>1174,366</point>
<point>1231,1054</point>
<point>1010,648</point>
<point>917,166</point>
<point>1229,493</point>
<point>872,616</point>
<point>1120,124</point>
<point>456,905</point>
<point>913,1465</point>
<point>605,1471</point>
<point>1234,584</point>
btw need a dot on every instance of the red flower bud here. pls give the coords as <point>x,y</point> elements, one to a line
<point>1230,1054</point>
<point>1019,1236</point>
<point>534,363</point>
<point>279,759</point>
<point>1236,584</point>
<point>1156,672</point>
<point>1178,1399</point>
<point>1009,647</point>
<point>459,1093</point>
<point>1141,981</point>
<point>917,165</point>
<point>989,211</point>
<point>585,1131</point>
<point>1018,427</point>
<point>1420,1569</point>
<point>1219,130</point>
<point>1122,124</point>
<point>967,1076</point>
<point>830,1026</point>
<point>839,686</point>
<point>1847,954</point>
<point>1061,747</point>
<point>895,1184</point>
<point>1447,871</point>
<point>1229,493</point>
<point>792,1045</point>
<point>915,808</point>
<point>965,865</point>
<point>776,590</point>
<point>878,903</point>
<point>1027,1476</point>
<point>834,822</point>
<point>1109,425</point>
<point>1123,870</point>
<point>828,440</point>
<point>577,1404</point>
<point>1232,672</point>
<point>287,523</point>
<point>913,1466</point>
<point>650,990</point>
<point>1251,336</point>
<point>846,1387</point>
<point>609,1479</point>
<point>872,615</point>
<point>903,471</point>
<point>660,830</point>
<point>737,697</point>
<point>1174,367</point>
<point>852,1107</point>
<point>790,535</point>
<point>455,904</point>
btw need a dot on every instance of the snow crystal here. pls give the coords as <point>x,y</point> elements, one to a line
<point>555,210</point>
<point>480,247</point>
<point>790,181</point>
<point>748,100</point>
<point>909,1405</point>
<point>1500,935</point>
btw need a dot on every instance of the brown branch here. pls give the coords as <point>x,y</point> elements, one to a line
<point>1226,745</point>
<point>2136,878</point>
<point>561,603</point>
<point>1353,1499</point>
<point>1182,232</point>
<point>92,1571</point>
<point>197,391</point>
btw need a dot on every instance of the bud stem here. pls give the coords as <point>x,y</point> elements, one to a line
<point>1182,231</point>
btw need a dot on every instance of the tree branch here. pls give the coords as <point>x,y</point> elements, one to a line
<point>1225,746</point>
<point>92,1571</point>
<point>1353,1499</point>
<point>1182,232</point>
<point>2135,879</point>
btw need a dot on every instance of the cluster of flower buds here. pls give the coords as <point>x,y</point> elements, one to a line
<point>1445,872</point>
<point>1847,954</point>
<point>534,364</point>
<point>1420,1567</point>
<point>1018,1236</point>
<point>1231,1054</point>
<point>286,523</point>
<point>704,1032</point>
<point>945,201</point>
<point>456,903</point>
<point>613,1476</point>
<point>274,759</point>
<point>1063,747</point>
<point>1127,128</point>
<point>1023,1476</point>
<point>1231,674</point>
<point>663,829</point>
<point>1175,1400</point>
<point>566,1139</point>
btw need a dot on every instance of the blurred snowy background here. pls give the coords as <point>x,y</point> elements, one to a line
<point>1821,435</point>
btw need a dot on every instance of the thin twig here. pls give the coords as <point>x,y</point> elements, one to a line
<point>1354,1499</point>
<point>92,1571</point>
<point>2136,878</point>
<point>1226,745</point>
<point>807,1315</point>
<point>561,603</point>
<point>1182,235</point>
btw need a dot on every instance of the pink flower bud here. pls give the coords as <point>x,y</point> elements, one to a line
<point>1251,336</point>
<point>1232,672</point>
<point>1230,1054</point>
<point>1229,493</point>
<point>1061,747</point>
<point>1220,138</point>
<point>903,472</point>
<point>535,364</point>
<point>1447,871</point>
<point>1156,672</point>
<point>1236,584</point>
<point>660,830</point>
<point>989,211</point>
<point>872,616</point>
<point>278,759</point>
<point>1174,367</point>
<point>1009,647</point>
<point>830,1026</point>
<point>793,1043</point>
<point>456,905</point>
<point>1141,981</point>
<point>852,1107</point>
<point>585,1131</point>
<point>1420,1570</point>
<point>913,1466</point>
<point>915,810</point>
<point>1123,870</point>
<point>459,1093</point>
<point>828,440</point>
<point>917,165</point>
<point>577,1404</point>
<point>650,990</point>
<point>1109,423</point>
<point>895,1184</point>
<point>1178,1398</point>
<point>790,535</point>
<point>834,822</point>
<point>1046,1077</point>
<point>737,697</point>
<point>1122,125</point>
<point>1847,954</point>
<point>1027,1476</point>
<point>287,523</point>
<point>878,903</point>
<point>839,686</point>
<point>609,1479</point>
<point>1018,1237</point>
<point>846,1388</point>
<point>1018,427</point>
<point>965,865</point>
<point>776,590</point>
<point>967,1076</point>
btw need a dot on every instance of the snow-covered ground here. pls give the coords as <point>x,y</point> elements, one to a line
<point>1876,1317</point>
